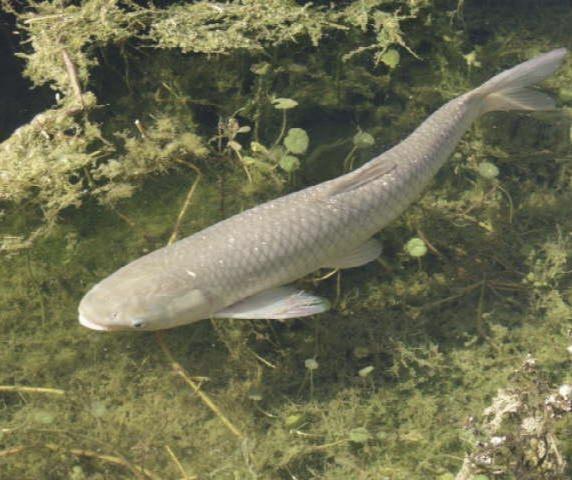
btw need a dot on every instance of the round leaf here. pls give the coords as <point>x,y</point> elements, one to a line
<point>488,170</point>
<point>390,58</point>
<point>297,141</point>
<point>416,247</point>
<point>284,103</point>
<point>289,163</point>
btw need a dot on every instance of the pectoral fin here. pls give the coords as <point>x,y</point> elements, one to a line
<point>276,304</point>
<point>365,253</point>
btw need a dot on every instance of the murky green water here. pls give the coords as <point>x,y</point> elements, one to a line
<point>392,383</point>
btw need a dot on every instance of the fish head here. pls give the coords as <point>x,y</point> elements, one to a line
<point>142,304</point>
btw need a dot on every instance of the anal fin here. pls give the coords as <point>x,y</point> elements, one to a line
<point>365,253</point>
<point>276,304</point>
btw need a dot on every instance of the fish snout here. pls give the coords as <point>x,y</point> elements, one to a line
<point>93,313</point>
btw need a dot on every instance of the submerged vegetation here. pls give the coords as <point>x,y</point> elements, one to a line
<point>107,158</point>
<point>448,359</point>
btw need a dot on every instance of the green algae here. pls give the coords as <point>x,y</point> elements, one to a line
<point>446,336</point>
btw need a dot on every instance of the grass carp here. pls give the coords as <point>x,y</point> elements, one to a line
<point>241,266</point>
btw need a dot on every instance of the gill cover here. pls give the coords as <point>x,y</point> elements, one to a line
<point>192,305</point>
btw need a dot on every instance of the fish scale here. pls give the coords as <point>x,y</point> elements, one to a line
<point>236,267</point>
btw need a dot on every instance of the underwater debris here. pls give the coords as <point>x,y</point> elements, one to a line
<point>517,433</point>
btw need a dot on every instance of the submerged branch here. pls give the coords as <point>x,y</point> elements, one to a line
<point>179,370</point>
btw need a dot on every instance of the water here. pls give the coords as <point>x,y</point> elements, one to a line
<point>487,308</point>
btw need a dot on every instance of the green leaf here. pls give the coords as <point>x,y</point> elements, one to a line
<point>294,420</point>
<point>363,140</point>
<point>297,141</point>
<point>258,164</point>
<point>365,371</point>
<point>488,170</point>
<point>261,68</point>
<point>359,435</point>
<point>391,58</point>
<point>289,163</point>
<point>416,247</point>
<point>258,148</point>
<point>284,103</point>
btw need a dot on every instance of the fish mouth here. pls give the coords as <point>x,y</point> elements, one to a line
<point>91,325</point>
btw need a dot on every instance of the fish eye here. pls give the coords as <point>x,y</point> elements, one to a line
<point>138,323</point>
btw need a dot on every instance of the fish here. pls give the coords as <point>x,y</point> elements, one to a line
<point>244,266</point>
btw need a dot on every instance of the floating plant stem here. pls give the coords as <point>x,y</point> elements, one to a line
<point>22,389</point>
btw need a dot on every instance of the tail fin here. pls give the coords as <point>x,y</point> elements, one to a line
<point>508,90</point>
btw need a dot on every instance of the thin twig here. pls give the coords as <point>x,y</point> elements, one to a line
<point>178,464</point>
<point>175,365</point>
<point>184,209</point>
<point>72,73</point>
<point>348,163</point>
<point>22,389</point>
<point>43,18</point>
<point>261,359</point>
<point>139,472</point>
<point>510,204</point>
<point>282,129</point>
<point>480,304</point>
<point>430,246</point>
<point>327,275</point>
<point>179,370</point>
<point>122,216</point>
<point>462,293</point>
<point>12,451</point>
<point>36,287</point>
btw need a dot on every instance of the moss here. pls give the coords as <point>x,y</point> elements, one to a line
<point>151,125</point>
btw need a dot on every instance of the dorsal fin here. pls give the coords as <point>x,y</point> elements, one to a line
<point>371,171</point>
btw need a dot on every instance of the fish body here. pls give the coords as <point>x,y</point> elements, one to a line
<point>238,267</point>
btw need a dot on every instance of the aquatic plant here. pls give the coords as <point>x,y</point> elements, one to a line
<point>106,159</point>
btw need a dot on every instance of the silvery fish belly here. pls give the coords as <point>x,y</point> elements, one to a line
<point>241,267</point>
